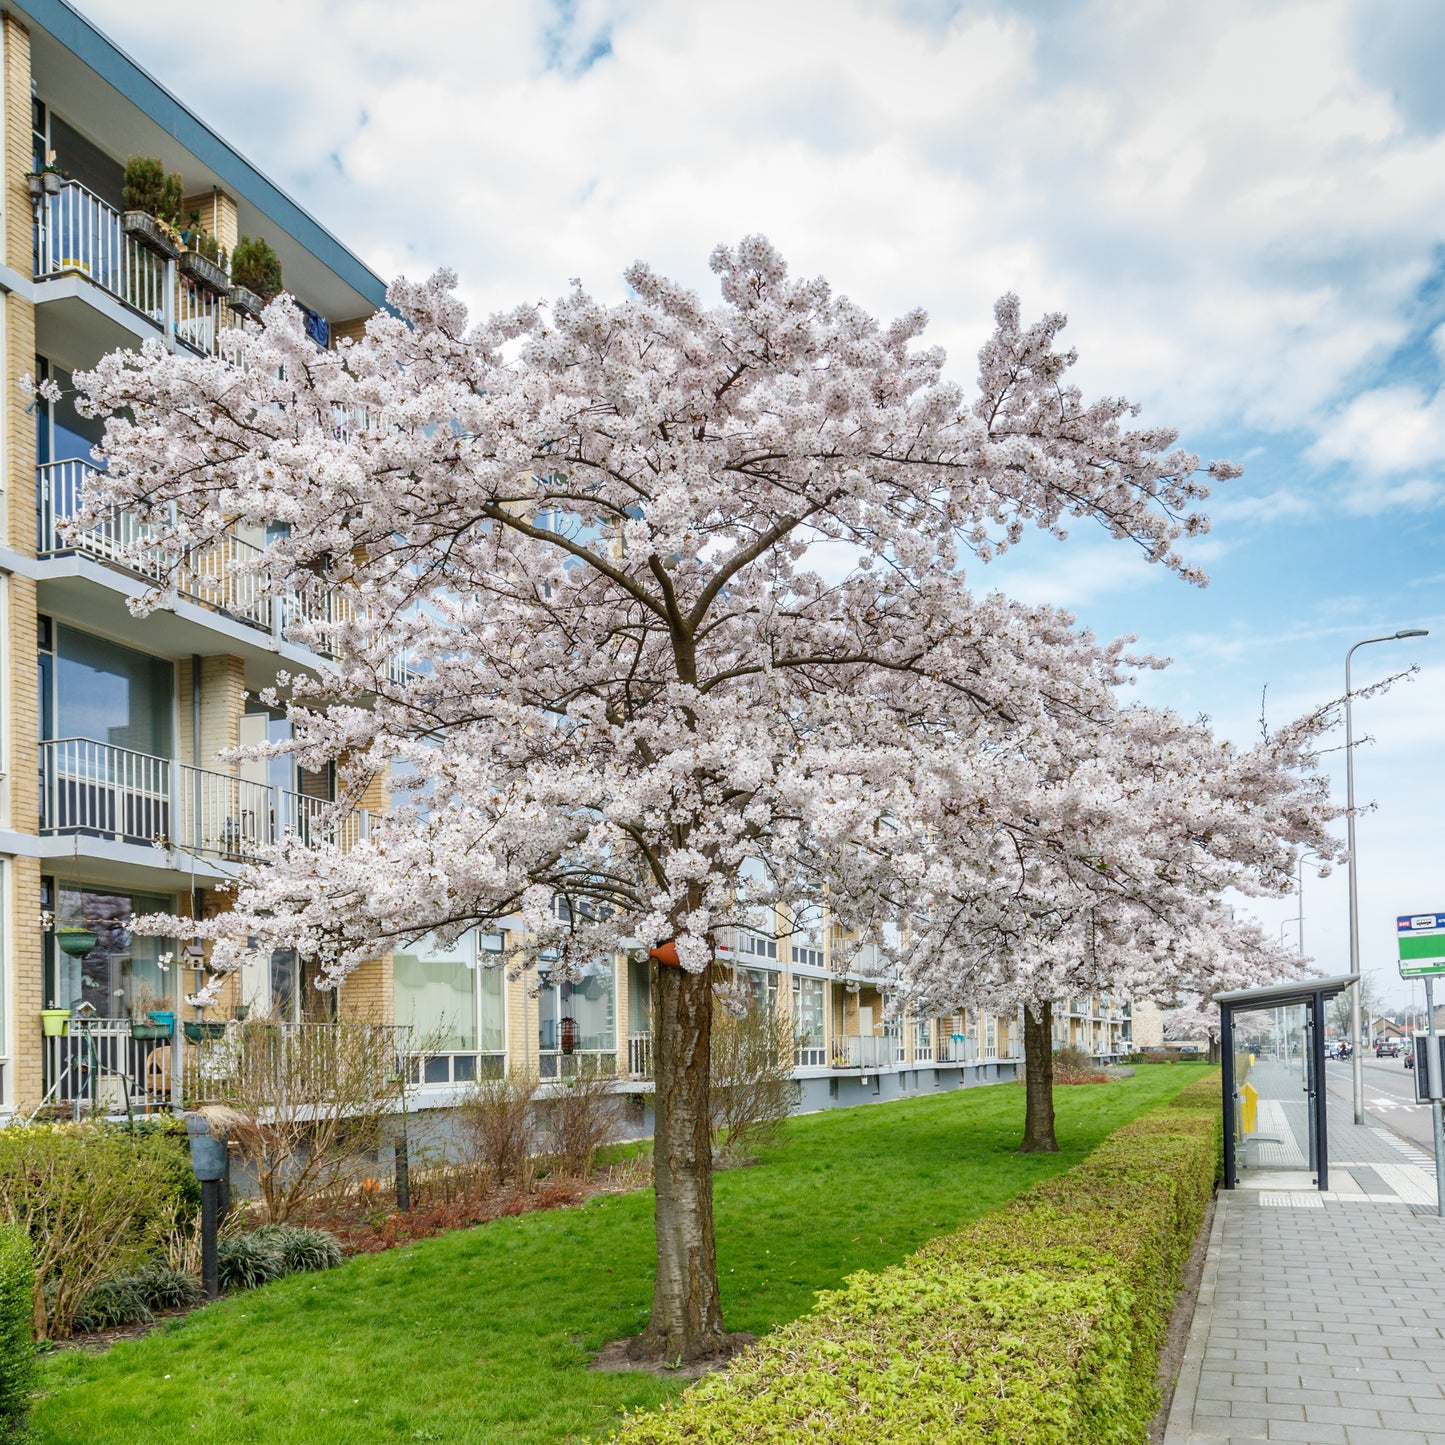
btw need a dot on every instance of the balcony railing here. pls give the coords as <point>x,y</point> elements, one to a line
<point>215,576</point>
<point>94,789</point>
<point>639,1056</point>
<point>863,1051</point>
<point>78,234</point>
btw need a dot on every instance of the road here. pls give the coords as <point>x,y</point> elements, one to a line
<point>1389,1096</point>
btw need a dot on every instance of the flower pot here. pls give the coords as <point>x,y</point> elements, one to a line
<point>54,1022</point>
<point>195,1032</point>
<point>150,1031</point>
<point>36,184</point>
<point>247,302</point>
<point>204,273</point>
<point>52,182</point>
<point>143,227</point>
<point>77,942</point>
<point>165,1018</point>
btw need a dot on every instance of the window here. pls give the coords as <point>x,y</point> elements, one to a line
<point>436,993</point>
<point>808,1000</point>
<point>589,1001</point>
<point>108,694</point>
<point>761,987</point>
<point>122,967</point>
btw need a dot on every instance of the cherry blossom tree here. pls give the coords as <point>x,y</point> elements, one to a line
<point>680,591</point>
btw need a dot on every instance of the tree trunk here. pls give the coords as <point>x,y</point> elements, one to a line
<point>686,1319</point>
<point>1039,1081</point>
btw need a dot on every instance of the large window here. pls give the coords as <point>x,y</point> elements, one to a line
<point>590,1003</point>
<point>107,693</point>
<point>123,969</point>
<point>453,1000</point>
<point>808,1005</point>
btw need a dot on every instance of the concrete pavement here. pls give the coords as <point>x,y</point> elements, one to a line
<point>1321,1318</point>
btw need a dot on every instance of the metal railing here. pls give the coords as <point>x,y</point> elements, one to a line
<point>79,234</point>
<point>98,1066</point>
<point>108,792</point>
<point>639,1056</point>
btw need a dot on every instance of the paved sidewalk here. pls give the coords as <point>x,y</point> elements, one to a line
<point>1321,1318</point>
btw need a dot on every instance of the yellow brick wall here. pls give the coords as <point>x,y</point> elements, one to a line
<point>19,427</point>
<point>23,1085</point>
<point>521,1022</point>
<point>18,155</point>
<point>367,995</point>
<point>218,215</point>
<point>24,709</point>
<point>223,700</point>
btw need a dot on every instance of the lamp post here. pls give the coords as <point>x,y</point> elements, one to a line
<point>1356,1063</point>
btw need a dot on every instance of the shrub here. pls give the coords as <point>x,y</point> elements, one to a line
<point>96,1200</point>
<point>752,1080</point>
<point>244,1261</point>
<point>17,1350</point>
<point>581,1117</point>
<point>497,1123</point>
<point>257,267</point>
<point>302,1248</point>
<point>147,187</point>
<point>1041,1322</point>
<point>119,1300</point>
<point>1072,1065</point>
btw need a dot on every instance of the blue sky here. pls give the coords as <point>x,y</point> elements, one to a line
<point>1240,205</point>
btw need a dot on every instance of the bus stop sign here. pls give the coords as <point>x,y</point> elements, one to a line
<point>1421,938</point>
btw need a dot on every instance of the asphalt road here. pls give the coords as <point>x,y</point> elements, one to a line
<point>1389,1096</point>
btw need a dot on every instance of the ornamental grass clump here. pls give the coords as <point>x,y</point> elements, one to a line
<point>246,1261</point>
<point>301,1247</point>
<point>1041,1322</point>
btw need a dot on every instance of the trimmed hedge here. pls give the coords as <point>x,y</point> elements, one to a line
<point>17,1348</point>
<point>1041,1322</point>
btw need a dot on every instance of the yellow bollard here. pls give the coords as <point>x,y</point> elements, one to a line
<point>1249,1111</point>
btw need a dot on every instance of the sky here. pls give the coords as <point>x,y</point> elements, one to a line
<point>1240,206</point>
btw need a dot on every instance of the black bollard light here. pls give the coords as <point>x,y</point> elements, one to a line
<point>208,1163</point>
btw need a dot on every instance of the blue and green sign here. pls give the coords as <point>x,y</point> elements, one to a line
<point>1422,944</point>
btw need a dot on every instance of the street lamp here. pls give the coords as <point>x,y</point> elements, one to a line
<point>1357,1063</point>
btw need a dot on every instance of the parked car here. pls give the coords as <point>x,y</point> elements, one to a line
<point>1387,1048</point>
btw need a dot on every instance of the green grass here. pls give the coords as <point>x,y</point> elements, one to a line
<point>484,1334</point>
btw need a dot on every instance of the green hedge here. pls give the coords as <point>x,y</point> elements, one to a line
<point>17,1348</point>
<point>1041,1322</point>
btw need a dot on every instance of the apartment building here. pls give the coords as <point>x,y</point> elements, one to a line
<point>113,799</point>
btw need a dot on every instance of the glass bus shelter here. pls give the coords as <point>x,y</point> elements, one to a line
<point>1272,1047</point>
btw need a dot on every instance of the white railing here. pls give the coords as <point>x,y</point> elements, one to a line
<point>109,792</point>
<point>954,1049</point>
<point>78,234</point>
<point>98,1067</point>
<point>864,1051</point>
<point>639,1055</point>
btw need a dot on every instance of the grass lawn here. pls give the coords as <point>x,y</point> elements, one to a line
<point>484,1334</point>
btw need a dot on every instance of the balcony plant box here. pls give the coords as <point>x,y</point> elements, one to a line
<point>247,302</point>
<point>150,233</point>
<point>207,1029</point>
<point>205,272</point>
<point>54,1022</point>
<point>150,1031</point>
<point>165,1017</point>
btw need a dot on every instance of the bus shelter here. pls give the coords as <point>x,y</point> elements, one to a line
<point>1272,1047</point>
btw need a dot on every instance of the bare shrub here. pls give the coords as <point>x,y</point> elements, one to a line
<point>304,1105</point>
<point>1072,1065</point>
<point>752,1081</point>
<point>582,1116</point>
<point>497,1122</point>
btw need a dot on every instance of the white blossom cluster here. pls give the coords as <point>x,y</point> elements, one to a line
<point>598,535</point>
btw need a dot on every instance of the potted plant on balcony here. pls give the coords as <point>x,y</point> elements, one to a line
<point>255,275</point>
<point>46,180</point>
<point>152,200</point>
<point>204,260</point>
<point>54,1022</point>
<point>76,942</point>
<point>149,1018</point>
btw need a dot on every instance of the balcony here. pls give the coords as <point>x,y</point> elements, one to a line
<point>95,790</point>
<point>216,576</point>
<point>78,234</point>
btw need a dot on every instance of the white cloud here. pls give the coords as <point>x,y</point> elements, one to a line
<point>1386,430</point>
<point>1236,215</point>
